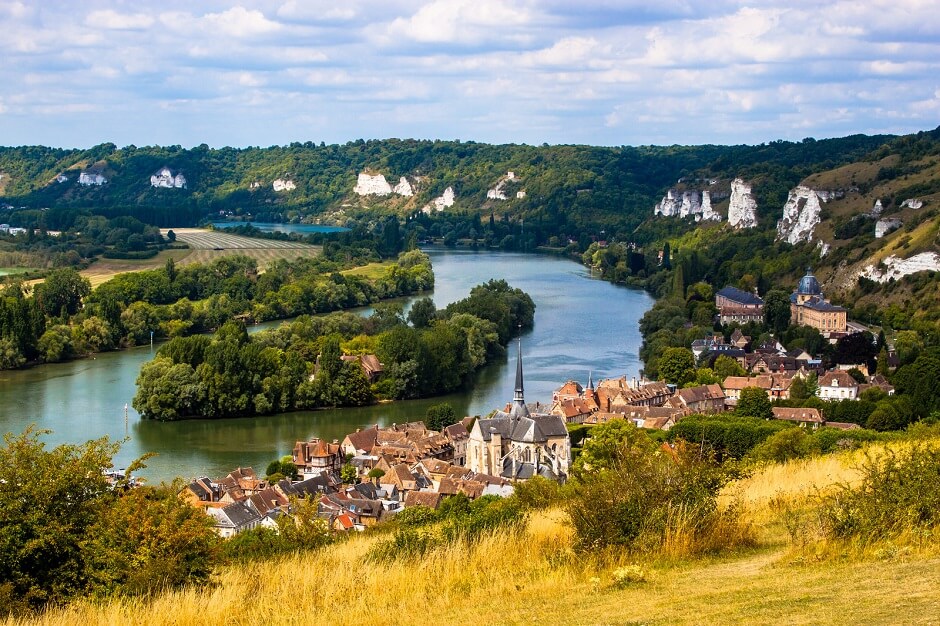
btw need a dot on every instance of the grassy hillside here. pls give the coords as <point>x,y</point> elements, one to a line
<point>534,577</point>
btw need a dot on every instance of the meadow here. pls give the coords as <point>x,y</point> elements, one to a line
<point>535,577</point>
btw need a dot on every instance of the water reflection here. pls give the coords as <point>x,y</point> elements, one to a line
<point>581,325</point>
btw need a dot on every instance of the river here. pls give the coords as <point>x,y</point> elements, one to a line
<point>582,325</point>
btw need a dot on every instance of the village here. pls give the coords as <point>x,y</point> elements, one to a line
<point>375,472</point>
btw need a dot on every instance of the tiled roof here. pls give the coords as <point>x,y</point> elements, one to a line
<point>797,415</point>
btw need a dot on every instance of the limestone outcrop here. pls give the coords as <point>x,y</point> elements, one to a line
<point>708,213</point>
<point>372,185</point>
<point>742,207</point>
<point>282,184</point>
<point>801,214</point>
<point>885,226</point>
<point>895,267</point>
<point>440,203</point>
<point>913,203</point>
<point>499,192</point>
<point>404,188</point>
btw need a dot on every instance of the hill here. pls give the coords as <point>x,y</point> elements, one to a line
<point>811,203</point>
<point>534,577</point>
<point>572,188</point>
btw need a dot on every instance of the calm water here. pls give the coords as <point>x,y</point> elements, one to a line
<point>303,229</point>
<point>582,324</point>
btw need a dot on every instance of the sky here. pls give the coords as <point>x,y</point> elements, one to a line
<point>603,72</point>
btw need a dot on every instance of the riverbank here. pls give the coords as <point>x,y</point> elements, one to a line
<point>82,399</point>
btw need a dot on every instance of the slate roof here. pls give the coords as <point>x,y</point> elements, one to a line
<point>741,297</point>
<point>531,429</point>
<point>239,514</point>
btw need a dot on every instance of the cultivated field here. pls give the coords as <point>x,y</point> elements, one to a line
<point>208,245</point>
<point>204,246</point>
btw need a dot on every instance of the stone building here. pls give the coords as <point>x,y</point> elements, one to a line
<point>516,444</point>
<point>808,307</point>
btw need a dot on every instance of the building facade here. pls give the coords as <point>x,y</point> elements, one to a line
<point>808,307</point>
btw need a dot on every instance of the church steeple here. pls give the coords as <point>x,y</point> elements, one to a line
<point>519,408</point>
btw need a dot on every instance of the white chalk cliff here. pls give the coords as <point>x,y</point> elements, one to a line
<point>800,215</point>
<point>895,267</point>
<point>708,213</point>
<point>369,185</point>
<point>165,178</point>
<point>440,203</point>
<point>403,188</point>
<point>499,192</point>
<point>742,207</point>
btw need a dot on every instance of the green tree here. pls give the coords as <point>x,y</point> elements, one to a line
<point>56,344</point>
<point>62,291</point>
<point>439,416</point>
<point>802,388</point>
<point>677,366</point>
<point>348,474</point>
<point>606,445</point>
<point>422,312</point>
<point>754,402</point>
<point>725,366</point>
<point>48,501</point>
<point>147,540</point>
<point>777,310</point>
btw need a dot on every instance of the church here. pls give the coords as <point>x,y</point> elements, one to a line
<point>518,445</point>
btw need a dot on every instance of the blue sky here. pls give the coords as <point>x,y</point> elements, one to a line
<point>502,71</point>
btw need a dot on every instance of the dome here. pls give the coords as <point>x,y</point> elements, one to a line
<point>809,285</point>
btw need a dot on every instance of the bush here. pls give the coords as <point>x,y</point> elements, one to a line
<point>647,499</point>
<point>899,493</point>
<point>728,436</point>
<point>785,445</point>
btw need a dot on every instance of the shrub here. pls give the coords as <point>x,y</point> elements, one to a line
<point>627,575</point>
<point>728,436</point>
<point>645,497</point>
<point>899,493</point>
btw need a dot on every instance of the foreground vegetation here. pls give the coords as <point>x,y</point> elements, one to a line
<point>532,570</point>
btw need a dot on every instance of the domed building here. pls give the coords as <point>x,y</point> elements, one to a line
<point>809,307</point>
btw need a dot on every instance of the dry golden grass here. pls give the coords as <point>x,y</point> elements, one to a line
<point>534,577</point>
<point>104,270</point>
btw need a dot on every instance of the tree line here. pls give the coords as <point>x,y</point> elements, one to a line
<point>301,364</point>
<point>63,317</point>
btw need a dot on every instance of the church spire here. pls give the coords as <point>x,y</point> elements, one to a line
<point>518,399</point>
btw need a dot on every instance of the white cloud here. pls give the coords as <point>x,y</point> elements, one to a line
<point>462,21</point>
<point>118,21</point>
<point>596,71</point>
<point>318,10</point>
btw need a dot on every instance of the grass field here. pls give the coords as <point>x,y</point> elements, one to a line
<point>534,577</point>
<point>204,246</point>
<point>371,271</point>
<point>9,271</point>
